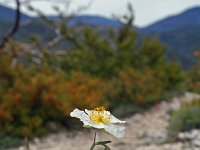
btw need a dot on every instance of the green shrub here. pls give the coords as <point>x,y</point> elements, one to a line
<point>186,118</point>
<point>173,78</point>
<point>139,88</point>
<point>9,141</point>
<point>194,79</point>
<point>194,75</point>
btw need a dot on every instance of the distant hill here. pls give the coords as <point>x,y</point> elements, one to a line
<point>91,20</point>
<point>8,15</point>
<point>190,17</point>
<point>33,25</point>
<point>94,21</point>
<point>180,33</point>
<point>181,44</point>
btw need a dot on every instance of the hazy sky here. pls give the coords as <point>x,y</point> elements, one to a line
<point>146,11</point>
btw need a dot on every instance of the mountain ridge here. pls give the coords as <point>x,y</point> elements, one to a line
<point>186,18</point>
<point>8,15</point>
<point>172,22</point>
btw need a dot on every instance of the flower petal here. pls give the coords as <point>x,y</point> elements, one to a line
<point>113,119</point>
<point>115,130</point>
<point>80,115</point>
<point>94,125</point>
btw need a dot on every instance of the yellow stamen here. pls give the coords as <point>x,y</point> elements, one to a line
<point>99,109</point>
<point>100,115</point>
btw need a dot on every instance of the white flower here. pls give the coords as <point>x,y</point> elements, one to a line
<point>101,119</point>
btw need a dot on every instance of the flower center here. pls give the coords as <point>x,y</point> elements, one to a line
<point>100,115</point>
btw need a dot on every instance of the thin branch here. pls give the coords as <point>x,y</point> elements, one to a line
<point>15,26</point>
<point>26,144</point>
<point>55,41</point>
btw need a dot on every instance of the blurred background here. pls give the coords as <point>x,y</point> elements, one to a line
<point>128,56</point>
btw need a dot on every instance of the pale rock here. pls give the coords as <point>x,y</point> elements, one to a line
<point>196,142</point>
<point>181,136</point>
<point>192,135</point>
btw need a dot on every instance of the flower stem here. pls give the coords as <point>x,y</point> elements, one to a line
<point>94,141</point>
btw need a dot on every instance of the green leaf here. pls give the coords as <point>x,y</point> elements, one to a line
<point>106,147</point>
<point>85,126</point>
<point>103,142</point>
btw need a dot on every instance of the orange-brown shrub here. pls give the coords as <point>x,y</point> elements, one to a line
<point>36,100</point>
<point>86,91</point>
<point>33,102</point>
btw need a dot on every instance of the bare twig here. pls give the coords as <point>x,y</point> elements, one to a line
<point>64,19</point>
<point>15,26</point>
<point>55,41</point>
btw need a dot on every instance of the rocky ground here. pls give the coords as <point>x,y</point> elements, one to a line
<point>144,131</point>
